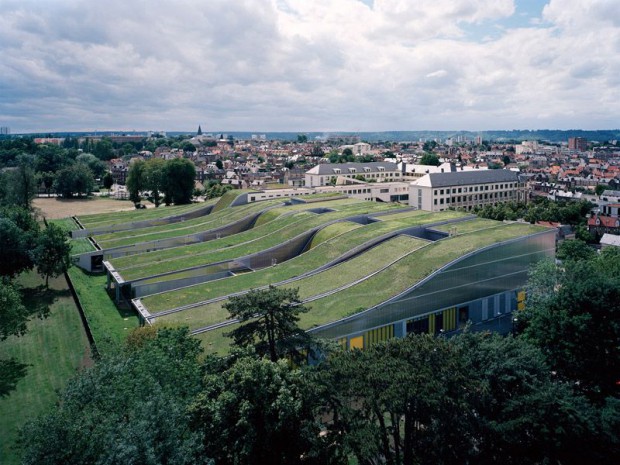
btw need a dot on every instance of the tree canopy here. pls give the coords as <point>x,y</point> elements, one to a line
<point>268,320</point>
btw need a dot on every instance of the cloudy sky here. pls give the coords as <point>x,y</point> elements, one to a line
<point>309,65</point>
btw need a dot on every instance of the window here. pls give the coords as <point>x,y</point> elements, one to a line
<point>441,192</point>
<point>435,202</point>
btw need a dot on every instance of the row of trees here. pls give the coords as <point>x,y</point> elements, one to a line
<point>545,395</point>
<point>540,209</point>
<point>167,181</point>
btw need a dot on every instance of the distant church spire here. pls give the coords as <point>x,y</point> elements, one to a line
<point>199,131</point>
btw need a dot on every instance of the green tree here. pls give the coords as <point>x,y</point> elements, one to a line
<point>52,255</point>
<point>255,412</point>
<point>21,183</point>
<point>180,175</point>
<point>76,179</point>
<point>219,164</point>
<point>575,249</point>
<point>104,149</point>
<point>155,178</point>
<point>268,322</point>
<point>95,164</point>
<point>108,180</point>
<point>13,319</point>
<point>47,180</point>
<point>573,314</point>
<point>600,188</point>
<point>16,247</point>
<point>131,407</point>
<point>136,180</point>
<point>430,159</point>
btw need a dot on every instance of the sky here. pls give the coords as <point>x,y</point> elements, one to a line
<point>309,65</point>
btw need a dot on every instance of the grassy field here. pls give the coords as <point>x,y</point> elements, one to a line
<point>108,324</point>
<point>107,219</point>
<point>212,221</point>
<point>68,224</point>
<point>378,288</point>
<point>308,261</point>
<point>81,245</point>
<point>54,348</point>
<point>238,245</point>
<point>325,281</point>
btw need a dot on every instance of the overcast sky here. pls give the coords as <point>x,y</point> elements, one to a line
<point>309,65</point>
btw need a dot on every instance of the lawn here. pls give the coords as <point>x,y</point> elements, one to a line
<point>81,245</point>
<point>376,289</point>
<point>68,224</point>
<point>308,261</point>
<point>54,348</point>
<point>108,324</point>
<point>107,219</point>
<point>241,244</point>
<point>327,280</point>
<point>201,224</point>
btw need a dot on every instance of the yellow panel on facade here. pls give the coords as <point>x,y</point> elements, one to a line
<point>356,342</point>
<point>520,296</point>
<point>379,334</point>
<point>521,306</point>
<point>449,319</point>
<point>431,324</point>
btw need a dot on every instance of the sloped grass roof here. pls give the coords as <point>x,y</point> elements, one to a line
<point>316,257</point>
<point>328,280</point>
<point>388,283</point>
<point>204,223</point>
<point>107,219</point>
<point>251,241</point>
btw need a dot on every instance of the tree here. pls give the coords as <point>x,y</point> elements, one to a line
<point>575,249</point>
<point>16,246</point>
<point>95,164</point>
<point>104,149</point>
<point>268,320</point>
<point>506,160</point>
<point>219,164</point>
<point>13,314</point>
<point>180,175</point>
<point>255,412</point>
<point>76,179</point>
<point>573,314</point>
<point>108,180</point>
<point>430,159</point>
<point>155,178</point>
<point>21,184</point>
<point>53,252</point>
<point>131,407</point>
<point>136,180</point>
<point>302,138</point>
<point>600,188</point>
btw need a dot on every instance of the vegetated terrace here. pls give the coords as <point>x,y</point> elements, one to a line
<point>328,245</point>
<point>252,241</point>
<point>378,288</point>
<point>203,223</point>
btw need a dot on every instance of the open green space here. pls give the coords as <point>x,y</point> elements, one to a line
<point>229,197</point>
<point>130,216</point>
<point>276,212</point>
<point>108,324</point>
<point>201,224</point>
<point>242,244</point>
<point>464,227</point>
<point>81,245</point>
<point>54,348</point>
<point>325,281</point>
<point>317,256</point>
<point>68,224</point>
<point>380,287</point>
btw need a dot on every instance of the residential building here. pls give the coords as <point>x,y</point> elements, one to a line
<point>607,221</point>
<point>578,143</point>
<point>465,189</point>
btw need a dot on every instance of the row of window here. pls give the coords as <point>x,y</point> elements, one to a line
<point>475,197</point>
<point>486,187</point>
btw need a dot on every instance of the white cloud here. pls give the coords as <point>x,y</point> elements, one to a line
<point>306,65</point>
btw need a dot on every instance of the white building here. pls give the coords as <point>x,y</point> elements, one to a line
<point>465,189</point>
<point>327,173</point>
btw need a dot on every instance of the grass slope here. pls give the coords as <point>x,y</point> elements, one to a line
<point>108,324</point>
<point>54,348</point>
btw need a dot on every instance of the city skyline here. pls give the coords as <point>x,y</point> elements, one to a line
<point>294,65</point>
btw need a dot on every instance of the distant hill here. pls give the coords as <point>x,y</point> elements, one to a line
<point>517,135</point>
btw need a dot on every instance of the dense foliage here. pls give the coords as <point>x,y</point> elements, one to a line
<point>542,209</point>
